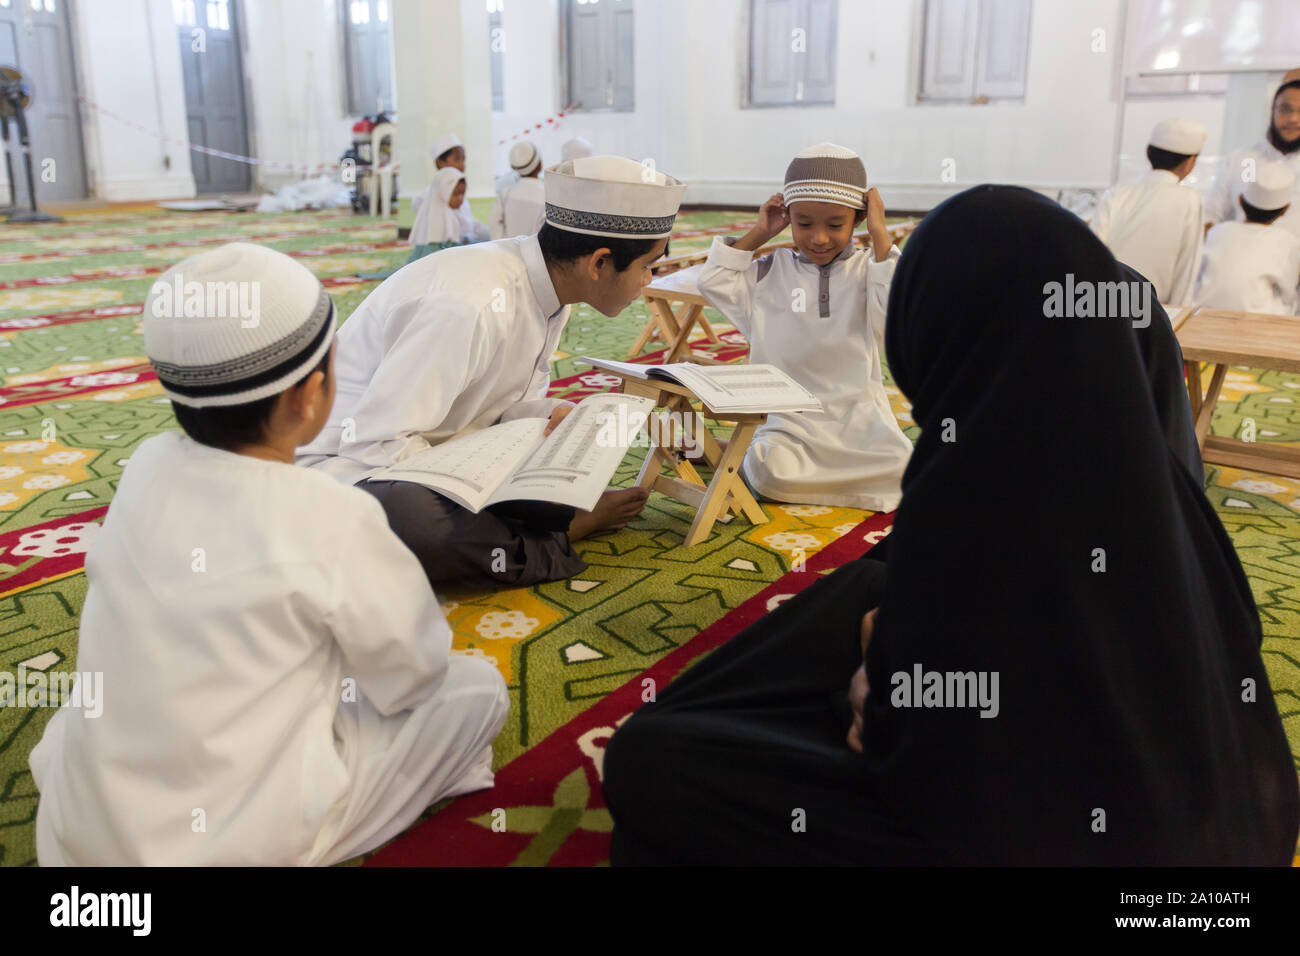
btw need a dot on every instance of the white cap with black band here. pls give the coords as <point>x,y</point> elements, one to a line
<point>612,196</point>
<point>235,324</point>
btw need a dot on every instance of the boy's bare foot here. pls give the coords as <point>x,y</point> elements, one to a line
<point>614,510</point>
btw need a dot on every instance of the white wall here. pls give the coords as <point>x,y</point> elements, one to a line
<point>440,53</point>
<point>690,58</point>
<point>533,90</point>
<point>690,61</point>
<point>128,61</point>
<point>293,65</point>
<point>293,75</point>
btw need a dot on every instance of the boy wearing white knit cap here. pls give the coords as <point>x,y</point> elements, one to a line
<point>1155,224</point>
<point>520,210</point>
<point>1254,266</point>
<point>575,148</point>
<point>462,340</point>
<point>278,681</point>
<point>818,313</point>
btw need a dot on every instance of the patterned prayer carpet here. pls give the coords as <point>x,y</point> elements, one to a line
<point>77,396</point>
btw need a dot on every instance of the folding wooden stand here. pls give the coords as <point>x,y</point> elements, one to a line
<point>1238,338</point>
<point>726,492</point>
<point>675,328</point>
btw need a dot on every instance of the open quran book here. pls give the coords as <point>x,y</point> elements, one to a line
<point>512,461</point>
<point>755,389</point>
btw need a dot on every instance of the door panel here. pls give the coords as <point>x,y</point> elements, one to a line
<point>214,93</point>
<point>37,42</point>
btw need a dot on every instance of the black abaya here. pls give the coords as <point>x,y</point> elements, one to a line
<point>1053,532</point>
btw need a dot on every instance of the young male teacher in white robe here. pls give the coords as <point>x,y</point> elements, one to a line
<point>462,339</point>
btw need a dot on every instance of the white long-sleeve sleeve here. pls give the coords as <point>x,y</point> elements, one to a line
<point>498,223</point>
<point>1100,224</point>
<point>411,391</point>
<point>1220,199</point>
<point>880,275</point>
<point>535,403</point>
<point>418,200</point>
<point>387,621</point>
<point>471,229</point>
<point>1288,280</point>
<point>727,281</point>
<point>1188,259</point>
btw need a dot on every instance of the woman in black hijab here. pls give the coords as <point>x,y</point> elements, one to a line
<point>1054,544</point>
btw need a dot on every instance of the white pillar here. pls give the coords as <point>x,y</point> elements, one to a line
<point>444,84</point>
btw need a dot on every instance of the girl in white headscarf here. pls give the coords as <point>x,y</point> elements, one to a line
<point>437,224</point>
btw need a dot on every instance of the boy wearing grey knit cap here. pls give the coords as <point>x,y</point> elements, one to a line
<point>817,312</point>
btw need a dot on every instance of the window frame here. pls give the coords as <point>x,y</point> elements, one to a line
<point>568,94</point>
<point>750,21</point>
<point>351,95</point>
<point>976,43</point>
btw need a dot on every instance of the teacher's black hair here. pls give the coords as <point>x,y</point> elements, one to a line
<point>1164,159</point>
<point>1261,216</point>
<point>561,245</point>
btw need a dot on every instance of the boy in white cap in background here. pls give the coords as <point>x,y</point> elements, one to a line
<point>447,150</point>
<point>1254,266</point>
<point>1155,225</point>
<point>818,313</point>
<point>520,210</point>
<point>463,340</point>
<point>576,148</point>
<point>279,682</point>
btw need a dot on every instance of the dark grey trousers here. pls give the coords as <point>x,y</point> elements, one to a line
<point>512,544</point>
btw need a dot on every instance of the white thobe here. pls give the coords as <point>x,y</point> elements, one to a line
<point>504,181</point>
<point>1221,201</point>
<point>520,210</point>
<point>1249,267</point>
<point>277,684</point>
<point>471,229</point>
<point>448,344</point>
<point>853,453</point>
<point>1155,225</point>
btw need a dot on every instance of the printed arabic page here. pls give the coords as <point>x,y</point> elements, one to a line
<point>574,464</point>
<point>737,388</point>
<point>468,468</point>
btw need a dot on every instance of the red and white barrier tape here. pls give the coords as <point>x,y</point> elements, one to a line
<point>305,168</point>
<point>552,121</point>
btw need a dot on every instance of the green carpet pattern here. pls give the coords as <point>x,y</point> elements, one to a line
<point>76,403</point>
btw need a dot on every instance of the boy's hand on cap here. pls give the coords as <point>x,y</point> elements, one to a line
<point>773,216</point>
<point>876,226</point>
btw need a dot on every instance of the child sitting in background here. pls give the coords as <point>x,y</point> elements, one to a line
<point>1155,224</point>
<point>817,312</point>
<point>437,222</point>
<point>1254,266</point>
<point>279,685</point>
<point>447,150</point>
<point>520,209</point>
